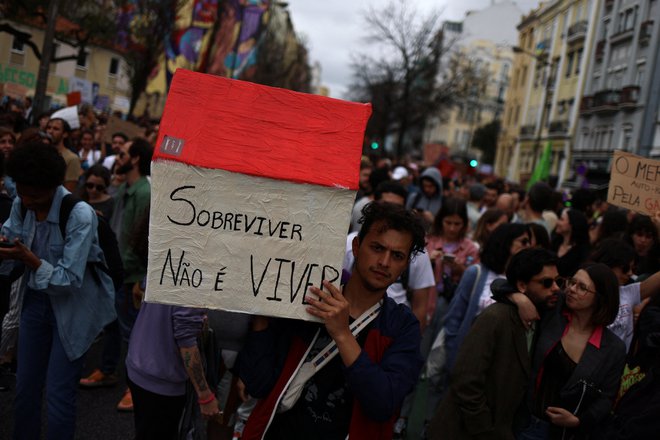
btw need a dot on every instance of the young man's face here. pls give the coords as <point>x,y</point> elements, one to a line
<point>35,198</point>
<point>55,129</point>
<point>117,143</point>
<point>542,289</point>
<point>381,257</point>
<point>428,188</point>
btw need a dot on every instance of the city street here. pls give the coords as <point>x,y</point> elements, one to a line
<point>97,417</point>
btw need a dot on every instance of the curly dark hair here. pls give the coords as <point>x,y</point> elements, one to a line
<point>36,164</point>
<point>392,216</point>
<point>497,250</point>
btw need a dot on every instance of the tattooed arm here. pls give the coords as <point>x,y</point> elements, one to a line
<point>193,363</point>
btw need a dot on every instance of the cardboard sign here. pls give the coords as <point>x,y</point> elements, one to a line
<point>118,125</point>
<point>634,183</point>
<point>252,189</point>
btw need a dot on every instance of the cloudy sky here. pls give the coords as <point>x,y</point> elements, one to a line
<point>335,28</point>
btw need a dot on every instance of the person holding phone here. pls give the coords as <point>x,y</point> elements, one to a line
<point>65,305</point>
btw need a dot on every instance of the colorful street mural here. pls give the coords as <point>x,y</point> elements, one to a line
<point>234,51</point>
<point>188,46</point>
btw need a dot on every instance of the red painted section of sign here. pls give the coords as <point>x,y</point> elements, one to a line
<point>262,131</point>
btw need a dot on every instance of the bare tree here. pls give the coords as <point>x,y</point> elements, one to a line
<point>416,72</point>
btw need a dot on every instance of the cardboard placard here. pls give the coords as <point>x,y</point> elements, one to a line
<point>634,183</point>
<point>118,125</point>
<point>252,190</point>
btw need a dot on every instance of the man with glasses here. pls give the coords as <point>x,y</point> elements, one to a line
<point>493,367</point>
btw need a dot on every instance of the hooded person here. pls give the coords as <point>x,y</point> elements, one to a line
<point>429,199</point>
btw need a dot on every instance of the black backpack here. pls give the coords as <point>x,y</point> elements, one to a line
<point>107,241</point>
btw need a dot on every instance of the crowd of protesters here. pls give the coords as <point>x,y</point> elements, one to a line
<point>508,312</point>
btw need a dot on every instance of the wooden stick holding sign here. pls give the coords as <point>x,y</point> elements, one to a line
<point>635,183</point>
<point>252,190</point>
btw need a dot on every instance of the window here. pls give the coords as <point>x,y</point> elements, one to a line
<point>639,78</point>
<point>81,61</point>
<point>578,60</point>
<point>523,77</point>
<point>17,46</point>
<point>114,66</point>
<point>569,64</point>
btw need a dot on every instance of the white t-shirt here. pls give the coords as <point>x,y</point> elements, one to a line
<point>629,297</point>
<point>109,161</point>
<point>486,297</point>
<point>420,274</point>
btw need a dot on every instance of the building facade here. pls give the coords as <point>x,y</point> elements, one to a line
<point>554,46</point>
<point>619,107</point>
<point>100,75</point>
<point>489,49</point>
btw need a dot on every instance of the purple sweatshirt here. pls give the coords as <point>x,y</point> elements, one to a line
<point>154,361</point>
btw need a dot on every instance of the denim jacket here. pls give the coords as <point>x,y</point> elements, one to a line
<point>81,305</point>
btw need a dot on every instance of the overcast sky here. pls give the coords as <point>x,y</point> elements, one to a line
<point>334,29</point>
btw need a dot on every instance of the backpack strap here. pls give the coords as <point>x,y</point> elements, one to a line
<point>68,203</point>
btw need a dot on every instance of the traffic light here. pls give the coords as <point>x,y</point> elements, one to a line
<point>474,163</point>
<point>374,145</point>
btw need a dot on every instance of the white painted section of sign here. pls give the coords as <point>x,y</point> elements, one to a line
<point>229,241</point>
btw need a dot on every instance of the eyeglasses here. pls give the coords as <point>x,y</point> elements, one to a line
<point>548,282</point>
<point>580,287</point>
<point>99,188</point>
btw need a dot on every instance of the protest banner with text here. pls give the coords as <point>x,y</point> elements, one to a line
<point>634,183</point>
<point>252,189</point>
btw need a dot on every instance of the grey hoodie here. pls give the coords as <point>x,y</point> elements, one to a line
<point>418,200</point>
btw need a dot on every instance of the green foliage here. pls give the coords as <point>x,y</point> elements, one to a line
<point>485,139</point>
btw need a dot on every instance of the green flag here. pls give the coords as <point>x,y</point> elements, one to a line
<point>542,168</point>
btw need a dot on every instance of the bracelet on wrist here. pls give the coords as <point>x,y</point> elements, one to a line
<point>206,401</point>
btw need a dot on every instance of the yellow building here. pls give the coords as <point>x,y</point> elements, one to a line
<point>100,75</point>
<point>484,102</point>
<point>554,45</point>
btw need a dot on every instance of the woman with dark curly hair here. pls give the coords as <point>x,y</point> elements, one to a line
<point>571,241</point>
<point>67,300</point>
<point>473,292</point>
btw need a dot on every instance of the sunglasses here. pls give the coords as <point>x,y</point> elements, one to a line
<point>99,188</point>
<point>548,282</point>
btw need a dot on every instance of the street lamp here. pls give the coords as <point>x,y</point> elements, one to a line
<point>545,64</point>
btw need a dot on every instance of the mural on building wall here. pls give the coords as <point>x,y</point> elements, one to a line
<point>234,52</point>
<point>189,44</point>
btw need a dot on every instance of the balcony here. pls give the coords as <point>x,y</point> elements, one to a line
<point>558,128</point>
<point>606,101</point>
<point>645,32</point>
<point>586,103</point>
<point>577,32</point>
<point>625,34</point>
<point>527,131</point>
<point>600,50</point>
<point>629,98</point>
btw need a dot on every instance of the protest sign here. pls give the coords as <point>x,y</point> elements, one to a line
<point>252,189</point>
<point>69,114</point>
<point>118,125</point>
<point>634,183</point>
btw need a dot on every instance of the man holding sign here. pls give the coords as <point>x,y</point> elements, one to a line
<point>293,367</point>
